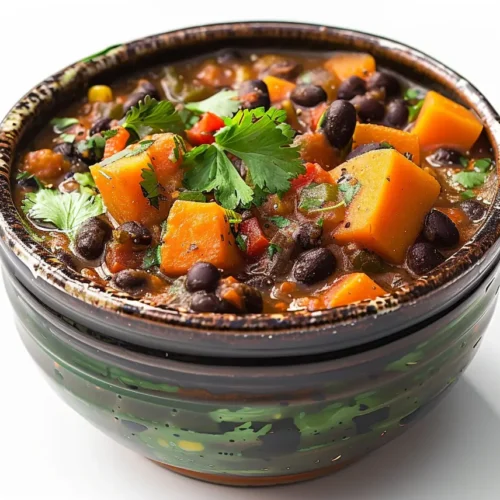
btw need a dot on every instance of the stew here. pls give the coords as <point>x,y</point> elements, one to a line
<point>252,182</point>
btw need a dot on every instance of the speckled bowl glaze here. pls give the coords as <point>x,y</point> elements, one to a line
<point>258,399</point>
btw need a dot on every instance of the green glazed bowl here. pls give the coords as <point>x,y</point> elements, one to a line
<point>253,400</point>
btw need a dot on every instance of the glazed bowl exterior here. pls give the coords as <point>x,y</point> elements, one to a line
<point>256,399</point>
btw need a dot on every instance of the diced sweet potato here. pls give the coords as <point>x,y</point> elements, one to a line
<point>443,122</point>
<point>198,232</point>
<point>351,288</point>
<point>279,89</point>
<point>404,142</point>
<point>116,143</point>
<point>315,148</point>
<point>346,64</point>
<point>387,213</point>
<point>120,183</point>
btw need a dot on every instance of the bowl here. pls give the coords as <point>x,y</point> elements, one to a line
<point>256,399</point>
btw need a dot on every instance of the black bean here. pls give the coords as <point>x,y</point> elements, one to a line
<point>351,87</point>
<point>226,56</point>
<point>100,126</point>
<point>308,95</point>
<point>339,123</point>
<point>91,238</point>
<point>131,281</point>
<point>474,210</point>
<point>307,235</point>
<point>140,236</point>
<point>205,302</point>
<point>423,258</point>
<point>314,265</point>
<point>397,113</point>
<point>65,148</point>
<point>440,230</point>
<point>445,156</point>
<point>288,70</point>
<point>384,81</point>
<point>365,148</point>
<point>370,110</point>
<point>202,276</point>
<point>262,283</point>
<point>254,94</point>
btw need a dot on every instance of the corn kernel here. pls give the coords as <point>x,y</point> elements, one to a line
<point>100,93</point>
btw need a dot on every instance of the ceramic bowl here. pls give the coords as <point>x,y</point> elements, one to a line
<point>257,399</point>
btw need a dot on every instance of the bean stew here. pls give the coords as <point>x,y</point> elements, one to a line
<point>246,182</point>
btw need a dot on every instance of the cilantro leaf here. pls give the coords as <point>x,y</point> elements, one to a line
<point>279,221</point>
<point>69,138</point>
<point>87,183</point>
<point>107,134</point>
<point>468,194</point>
<point>470,179</point>
<point>464,161</point>
<point>349,191</point>
<point>273,249</point>
<point>224,103</point>
<point>67,211</point>
<point>100,53</point>
<point>126,153</point>
<point>192,196</point>
<point>483,165</point>
<point>61,124</point>
<point>151,188</point>
<point>241,241</point>
<point>414,110</point>
<point>412,94</point>
<point>151,116</point>
<point>152,257</point>
<point>309,203</point>
<point>320,222</point>
<point>94,145</point>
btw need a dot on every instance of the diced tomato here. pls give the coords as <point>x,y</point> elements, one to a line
<point>314,173</point>
<point>203,131</point>
<point>256,240</point>
<point>121,256</point>
<point>116,143</point>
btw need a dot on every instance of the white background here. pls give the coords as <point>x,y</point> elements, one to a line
<point>49,452</point>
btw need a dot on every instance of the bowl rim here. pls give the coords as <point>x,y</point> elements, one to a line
<point>45,266</point>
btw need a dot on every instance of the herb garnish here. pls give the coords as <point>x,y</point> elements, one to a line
<point>464,161</point>
<point>241,241</point>
<point>69,138</point>
<point>87,183</point>
<point>349,191</point>
<point>151,116</point>
<point>94,145</point>
<point>483,165</point>
<point>150,186</point>
<point>192,196</point>
<point>468,194</point>
<point>152,257</point>
<point>279,221</point>
<point>233,217</point>
<point>61,124</point>
<point>263,141</point>
<point>127,153</point>
<point>107,134</point>
<point>67,211</point>
<point>470,179</point>
<point>273,249</point>
<point>224,103</point>
<point>414,111</point>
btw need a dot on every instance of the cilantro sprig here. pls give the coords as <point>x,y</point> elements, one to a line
<point>67,211</point>
<point>151,187</point>
<point>151,116</point>
<point>263,141</point>
<point>224,103</point>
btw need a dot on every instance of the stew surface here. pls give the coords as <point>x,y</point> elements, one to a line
<point>253,182</point>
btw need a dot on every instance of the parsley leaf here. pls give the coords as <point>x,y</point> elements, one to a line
<point>470,179</point>
<point>67,211</point>
<point>152,257</point>
<point>151,188</point>
<point>468,194</point>
<point>224,103</point>
<point>241,241</point>
<point>151,116</point>
<point>349,191</point>
<point>483,165</point>
<point>279,221</point>
<point>100,53</point>
<point>107,134</point>
<point>273,249</point>
<point>192,196</point>
<point>126,153</point>
<point>61,124</point>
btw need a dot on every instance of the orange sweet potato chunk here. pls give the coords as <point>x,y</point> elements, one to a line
<point>404,142</point>
<point>279,89</point>
<point>388,212</point>
<point>120,183</point>
<point>443,122</point>
<point>198,232</point>
<point>346,64</point>
<point>351,288</point>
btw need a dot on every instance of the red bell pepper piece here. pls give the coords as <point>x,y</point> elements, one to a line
<point>203,131</point>
<point>314,173</point>
<point>256,241</point>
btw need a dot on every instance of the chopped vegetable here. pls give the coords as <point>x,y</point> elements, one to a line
<point>67,211</point>
<point>152,257</point>
<point>404,142</point>
<point>273,249</point>
<point>86,181</point>
<point>280,221</point>
<point>351,288</point>
<point>315,196</point>
<point>116,142</point>
<point>279,89</point>
<point>470,179</point>
<point>100,93</point>
<point>255,240</point>
<point>346,64</point>
<point>198,232</point>
<point>203,131</point>
<point>443,122</point>
<point>387,213</point>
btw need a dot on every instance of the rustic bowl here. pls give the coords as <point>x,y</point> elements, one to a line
<point>258,399</point>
